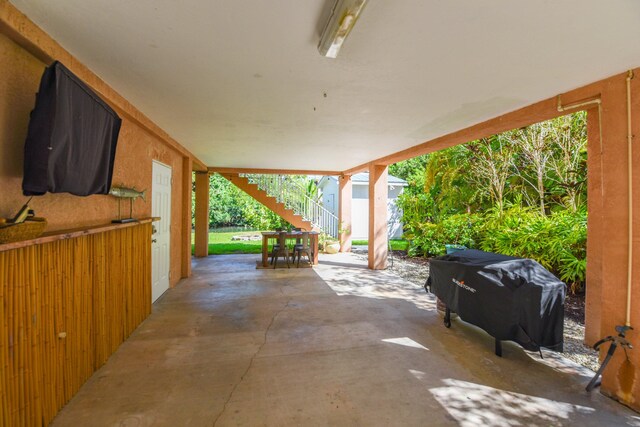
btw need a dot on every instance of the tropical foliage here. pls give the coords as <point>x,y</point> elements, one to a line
<point>520,193</point>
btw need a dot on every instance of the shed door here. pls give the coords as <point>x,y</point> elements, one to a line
<point>331,204</point>
<point>160,247</point>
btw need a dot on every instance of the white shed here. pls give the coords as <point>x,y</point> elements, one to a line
<point>360,203</point>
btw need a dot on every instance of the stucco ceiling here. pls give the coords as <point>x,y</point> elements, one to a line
<point>241,83</point>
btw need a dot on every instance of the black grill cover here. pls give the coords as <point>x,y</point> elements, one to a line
<point>71,142</point>
<point>512,299</point>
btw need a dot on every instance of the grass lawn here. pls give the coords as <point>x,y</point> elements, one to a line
<point>220,243</point>
<point>396,244</point>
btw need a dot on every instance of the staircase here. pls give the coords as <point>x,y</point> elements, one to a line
<point>288,200</point>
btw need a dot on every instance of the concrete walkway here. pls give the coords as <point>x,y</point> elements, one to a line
<point>334,345</point>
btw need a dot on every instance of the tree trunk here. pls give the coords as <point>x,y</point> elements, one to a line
<point>541,191</point>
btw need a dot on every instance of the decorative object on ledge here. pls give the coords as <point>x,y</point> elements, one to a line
<point>126,193</point>
<point>30,228</point>
<point>23,226</point>
<point>22,214</point>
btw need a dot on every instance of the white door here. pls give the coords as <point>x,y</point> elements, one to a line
<point>160,247</point>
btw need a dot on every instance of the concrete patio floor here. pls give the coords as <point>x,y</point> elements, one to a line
<point>334,345</point>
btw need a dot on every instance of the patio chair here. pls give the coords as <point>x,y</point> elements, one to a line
<point>280,249</point>
<point>302,248</point>
<point>276,245</point>
<point>296,229</point>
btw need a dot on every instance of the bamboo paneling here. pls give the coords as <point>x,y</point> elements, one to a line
<point>65,307</point>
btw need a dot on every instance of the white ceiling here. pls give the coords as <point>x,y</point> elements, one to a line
<point>240,83</point>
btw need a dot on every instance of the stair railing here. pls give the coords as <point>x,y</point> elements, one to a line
<point>295,197</point>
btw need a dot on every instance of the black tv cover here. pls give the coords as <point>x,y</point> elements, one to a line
<point>72,137</point>
<point>512,299</point>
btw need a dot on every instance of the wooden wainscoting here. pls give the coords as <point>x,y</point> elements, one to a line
<point>66,303</point>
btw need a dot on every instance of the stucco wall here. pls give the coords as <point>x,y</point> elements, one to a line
<point>20,74</point>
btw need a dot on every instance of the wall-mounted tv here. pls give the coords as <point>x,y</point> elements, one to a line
<point>72,137</point>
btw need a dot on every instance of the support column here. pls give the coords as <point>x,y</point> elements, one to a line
<point>378,191</point>
<point>187,188</point>
<point>344,211</point>
<point>202,214</point>
<point>595,224</point>
<point>621,378</point>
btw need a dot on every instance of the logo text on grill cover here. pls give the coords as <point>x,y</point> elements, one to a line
<point>461,284</point>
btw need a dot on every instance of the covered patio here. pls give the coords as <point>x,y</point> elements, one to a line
<point>222,87</point>
<point>335,345</point>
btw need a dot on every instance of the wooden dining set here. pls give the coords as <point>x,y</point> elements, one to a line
<point>289,245</point>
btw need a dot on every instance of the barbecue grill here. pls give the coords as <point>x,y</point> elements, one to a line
<point>512,299</point>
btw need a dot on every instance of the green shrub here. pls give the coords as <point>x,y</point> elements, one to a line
<point>557,241</point>
<point>429,239</point>
<point>422,239</point>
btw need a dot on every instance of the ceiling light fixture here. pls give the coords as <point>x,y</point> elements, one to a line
<point>343,17</point>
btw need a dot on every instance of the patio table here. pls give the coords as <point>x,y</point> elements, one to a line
<point>266,235</point>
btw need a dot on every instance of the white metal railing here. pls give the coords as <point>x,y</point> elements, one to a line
<point>295,197</point>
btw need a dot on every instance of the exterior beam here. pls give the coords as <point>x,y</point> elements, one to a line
<point>378,192</point>
<point>534,113</point>
<point>225,170</point>
<point>202,215</point>
<point>344,211</point>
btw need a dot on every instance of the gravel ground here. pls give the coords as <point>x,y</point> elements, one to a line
<point>416,270</point>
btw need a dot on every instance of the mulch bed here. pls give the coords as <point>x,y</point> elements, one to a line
<point>574,307</point>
